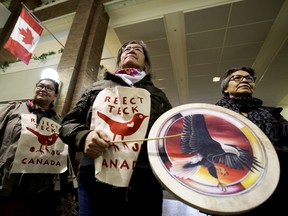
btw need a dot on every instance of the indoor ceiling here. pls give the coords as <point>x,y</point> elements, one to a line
<point>192,41</point>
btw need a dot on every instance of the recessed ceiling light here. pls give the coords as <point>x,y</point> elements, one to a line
<point>216,79</point>
<point>160,79</point>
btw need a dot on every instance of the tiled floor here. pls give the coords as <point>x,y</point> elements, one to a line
<point>173,207</point>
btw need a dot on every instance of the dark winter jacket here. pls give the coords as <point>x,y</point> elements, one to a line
<point>268,119</point>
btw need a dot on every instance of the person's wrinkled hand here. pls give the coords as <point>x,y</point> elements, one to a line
<point>96,143</point>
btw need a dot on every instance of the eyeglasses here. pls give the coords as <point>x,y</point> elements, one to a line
<point>239,78</point>
<point>47,88</point>
<point>136,49</point>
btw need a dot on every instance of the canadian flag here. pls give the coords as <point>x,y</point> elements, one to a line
<point>26,34</point>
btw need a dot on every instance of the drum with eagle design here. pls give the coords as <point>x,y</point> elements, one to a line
<point>213,159</point>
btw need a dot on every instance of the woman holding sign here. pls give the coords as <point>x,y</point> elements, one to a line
<point>31,155</point>
<point>109,125</point>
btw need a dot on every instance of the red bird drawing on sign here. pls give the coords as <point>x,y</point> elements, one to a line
<point>123,128</point>
<point>44,140</point>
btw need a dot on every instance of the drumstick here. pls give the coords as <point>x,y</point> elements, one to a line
<point>138,140</point>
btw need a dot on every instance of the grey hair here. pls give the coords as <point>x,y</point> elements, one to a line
<point>148,66</point>
<point>228,73</point>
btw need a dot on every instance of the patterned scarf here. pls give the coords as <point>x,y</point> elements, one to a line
<point>130,75</point>
<point>39,112</point>
<point>256,113</point>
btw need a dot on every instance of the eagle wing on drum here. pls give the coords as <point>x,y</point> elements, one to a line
<point>205,151</point>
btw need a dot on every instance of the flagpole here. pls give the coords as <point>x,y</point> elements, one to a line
<point>41,23</point>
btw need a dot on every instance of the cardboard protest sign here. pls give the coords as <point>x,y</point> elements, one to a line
<point>123,113</point>
<point>39,149</point>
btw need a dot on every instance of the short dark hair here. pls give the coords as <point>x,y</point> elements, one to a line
<point>55,83</point>
<point>227,75</point>
<point>148,67</point>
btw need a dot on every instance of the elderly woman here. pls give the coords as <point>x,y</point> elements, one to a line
<point>25,192</point>
<point>237,86</point>
<point>143,193</point>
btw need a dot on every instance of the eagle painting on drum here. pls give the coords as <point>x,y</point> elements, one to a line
<point>212,155</point>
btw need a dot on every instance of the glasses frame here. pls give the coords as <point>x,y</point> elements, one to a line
<point>239,78</point>
<point>138,49</point>
<point>47,88</point>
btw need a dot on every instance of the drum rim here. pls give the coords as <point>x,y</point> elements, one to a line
<point>212,204</point>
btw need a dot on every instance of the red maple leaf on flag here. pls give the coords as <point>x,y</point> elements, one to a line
<point>28,37</point>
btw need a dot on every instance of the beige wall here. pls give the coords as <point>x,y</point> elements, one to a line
<point>18,81</point>
<point>284,111</point>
